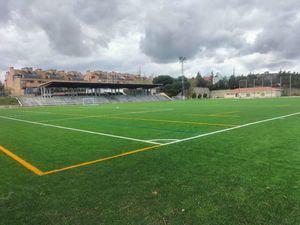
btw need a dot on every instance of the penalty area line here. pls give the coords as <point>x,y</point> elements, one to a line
<point>101,160</point>
<point>231,128</point>
<point>40,173</point>
<point>170,143</point>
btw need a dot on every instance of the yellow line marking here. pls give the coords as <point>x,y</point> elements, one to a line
<point>282,105</point>
<point>101,116</point>
<point>40,173</point>
<point>100,160</point>
<point>224,114</point>
<point>231,112</point>
<point>22,161</point>
<point>52,113</point>
<point>211,115</point>
<point>172,121</point>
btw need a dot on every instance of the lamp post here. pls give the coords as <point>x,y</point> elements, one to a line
<point>182,60</point>
<point>290,85</point>
<point>246,82</point>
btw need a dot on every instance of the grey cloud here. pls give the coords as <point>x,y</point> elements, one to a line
<point>61,26</point>
<point>281,37</point>
<point>65,35</point>
<point>279,65</point>
<point>10,9</point>
<point>51,17</point>
<point>105,14</point>
<point>82,33</point>
<point>202,27</point>
<point>165,42</point>
<point>4,11</point>
<point>64,21</point>
<point>187,29</point>
<point>109,18</point>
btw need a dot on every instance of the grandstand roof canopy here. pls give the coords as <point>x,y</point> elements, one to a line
<point>86,84</point>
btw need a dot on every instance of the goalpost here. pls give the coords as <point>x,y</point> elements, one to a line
<point>88,101</point>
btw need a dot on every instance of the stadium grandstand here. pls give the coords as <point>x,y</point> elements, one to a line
<point>53,87</point>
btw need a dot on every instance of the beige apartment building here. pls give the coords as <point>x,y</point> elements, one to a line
<point>254,92</point>
<point>26,81</point>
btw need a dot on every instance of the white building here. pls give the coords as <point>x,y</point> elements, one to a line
<point>257,92</point>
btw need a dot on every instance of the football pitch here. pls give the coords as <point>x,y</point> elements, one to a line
<point>178,162</point>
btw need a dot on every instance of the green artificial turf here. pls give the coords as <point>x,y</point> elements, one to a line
<point>249,175</point>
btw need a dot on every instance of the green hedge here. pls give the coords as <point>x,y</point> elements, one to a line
<point>8,101</point>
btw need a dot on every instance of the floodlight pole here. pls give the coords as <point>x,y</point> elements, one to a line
<point>280,80</point>
<point>246,82</point>
<point>271,81</point>
<point>290,84</point>
<point>182,61</point>
<point>271,86</point>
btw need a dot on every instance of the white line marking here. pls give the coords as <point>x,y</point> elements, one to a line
<point>163,141</point>
<point>232,128</point>
<point>169,139</point>
<point>79,130</point>
<point>151,142</point>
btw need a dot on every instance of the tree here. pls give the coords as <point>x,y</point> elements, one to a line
<point>163,79</point>
<point>200,81</point>
<point>167,84</point>
<point>172,89</point>
<point>221,84</point>
<point>186,83</point>
<point>232,82</point>
<point>2,92</point>
<point>172,86</point>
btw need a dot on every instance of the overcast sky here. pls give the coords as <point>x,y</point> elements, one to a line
<point>121,35</point>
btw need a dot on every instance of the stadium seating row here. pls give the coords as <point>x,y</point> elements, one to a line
<point>77,100</point>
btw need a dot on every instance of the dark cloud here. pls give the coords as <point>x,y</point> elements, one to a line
<point>193,27</point>
<point>68,24</point>
<point>64,34</point>
<point>187,28</point>
<point>281,36</point>
<point>4,11</point>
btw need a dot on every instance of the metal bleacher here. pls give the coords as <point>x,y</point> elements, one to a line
<point>79,100</point>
